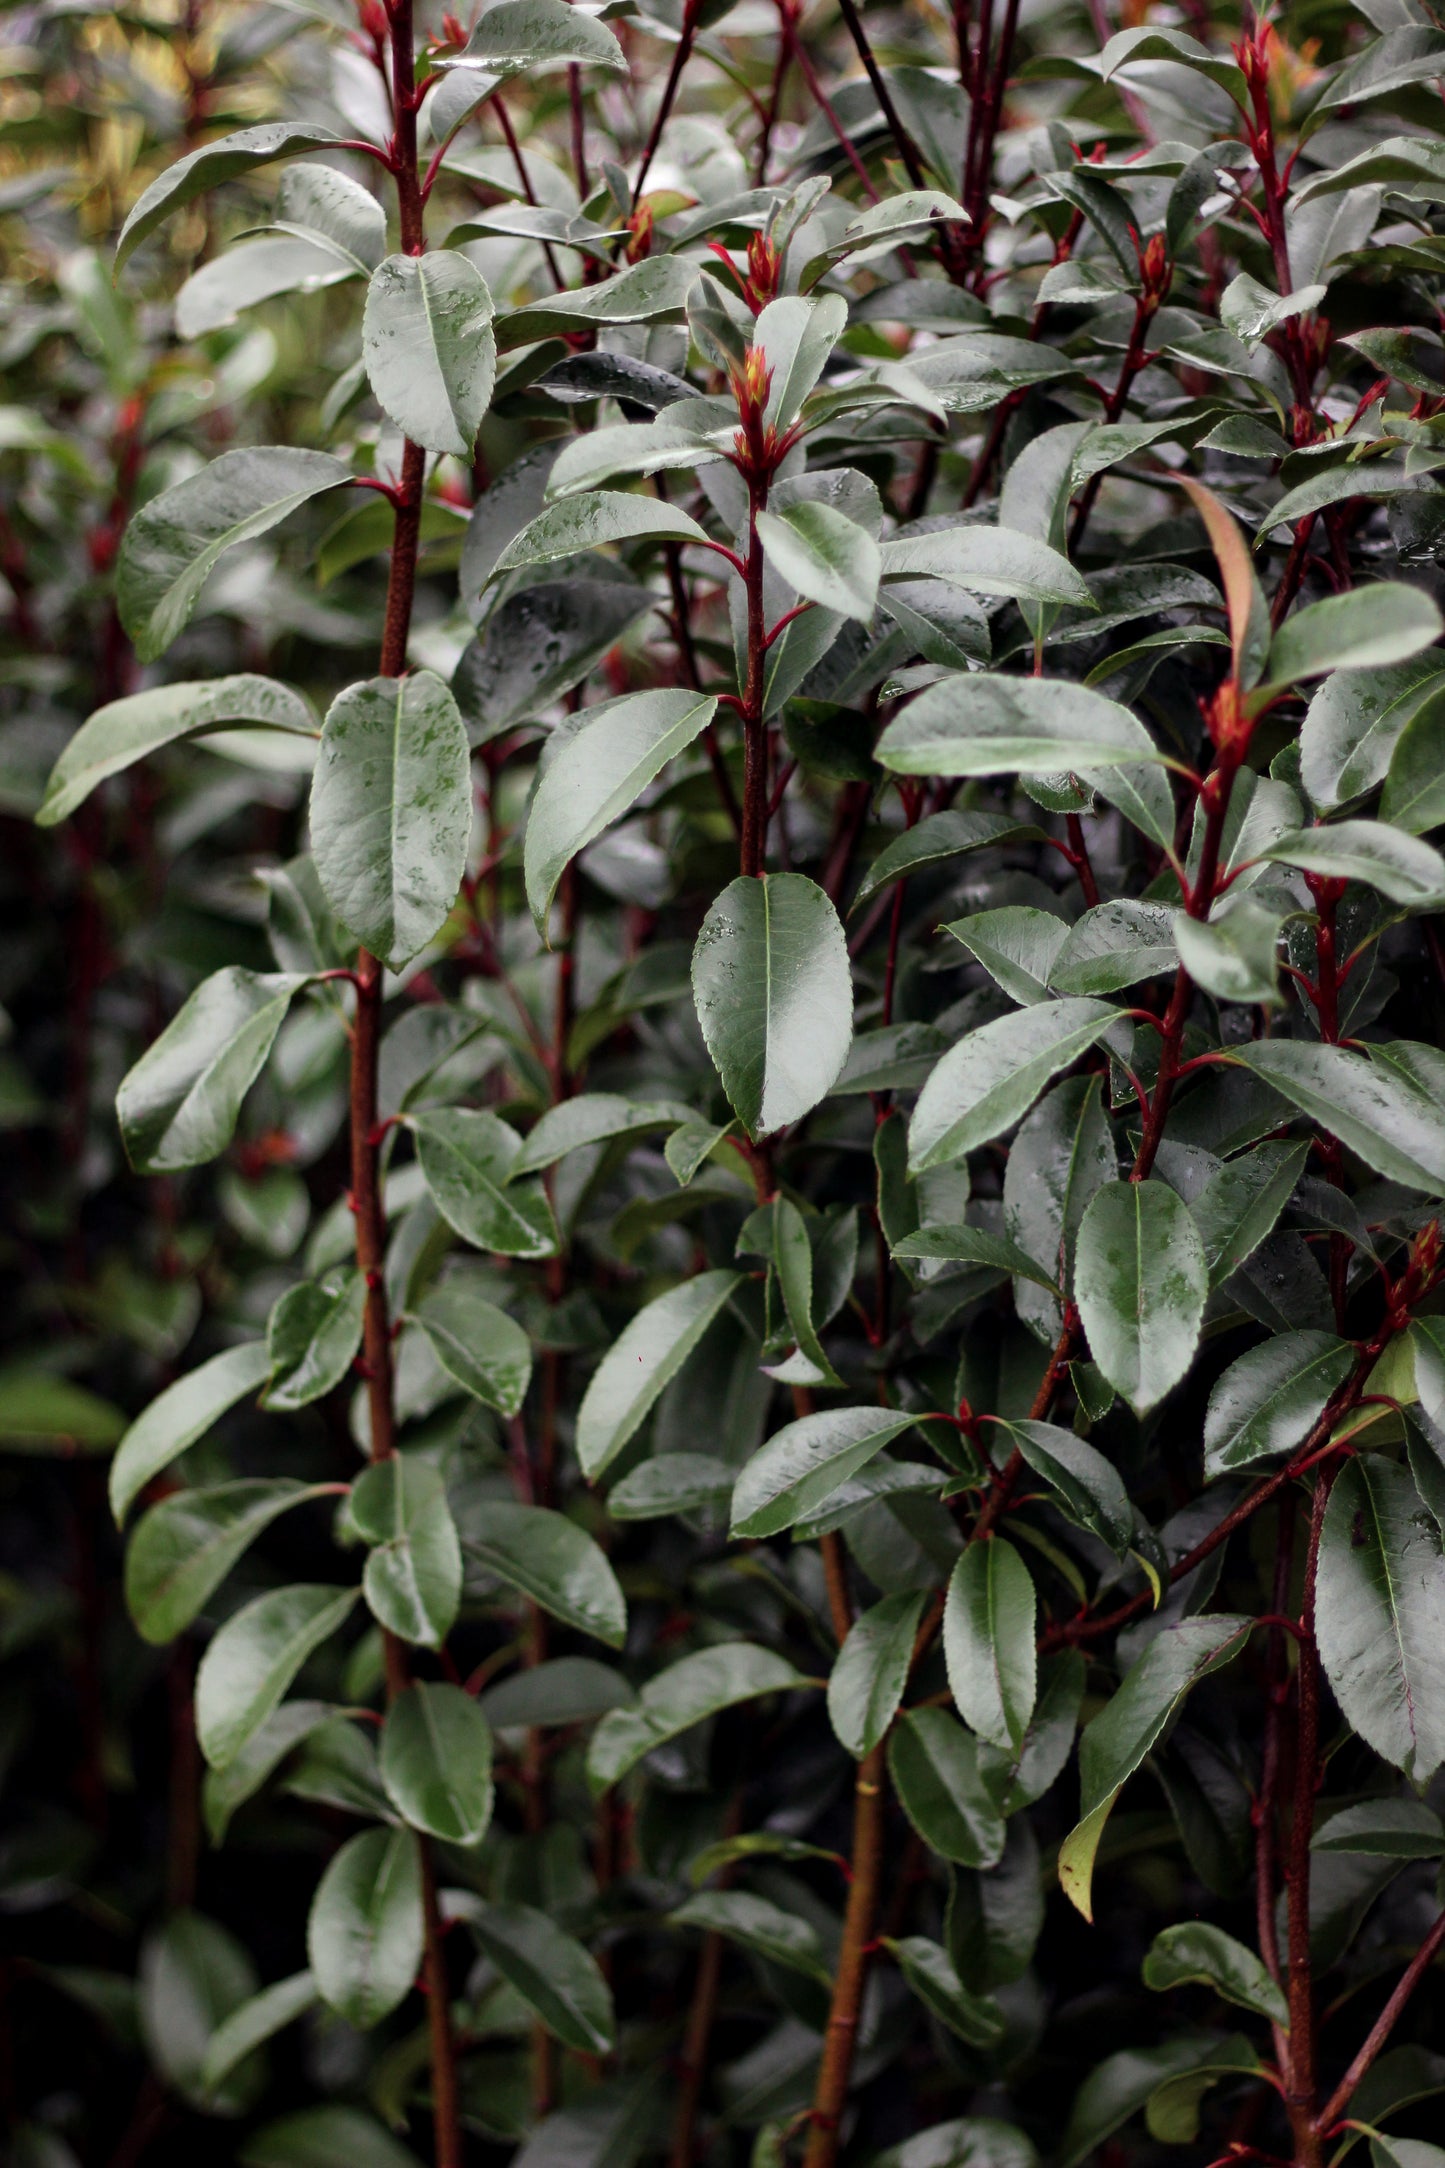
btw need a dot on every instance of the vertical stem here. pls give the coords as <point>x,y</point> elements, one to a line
<point>755,734</point>
<point>1300,2087</point>
<point>1266,1831</point>
<point>368,1209</point>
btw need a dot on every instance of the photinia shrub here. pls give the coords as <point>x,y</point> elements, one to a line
<point>755,839</point>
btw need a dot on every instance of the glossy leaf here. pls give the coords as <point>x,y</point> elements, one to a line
<point>178,1106</point>
<point>649,1354</point>
<point>125,731</point>
<point>312,1338</point>
<point>1374,1106</point>
<point>436,1762</point>
<point>934,1765</point>
<point>824,556</point>
<point>1001,726</point>
<point>780,1937</point>
<point>179,1416</point>
<point>428,347</point>
<point>364,1935</point>
<point>184,1547</point>
<point>486,1351</point>
<point>989,1080</point>
<point>551,1971</point>
<point>590,523</point>
<point>391,811</point>
<point>774,996</point>
<point>210,166</point>
<point>930,1973</point>
<point>870,1672</point>
<point>598,772</point>
<point>548,1558</point>
<point>1381,1614</point>
<point>174,542</point>
<point>989,1633</point>
<point>1269,1399</point>
<point>803,1464</point>
<point>413,1574</point>
<point>681,1696</point>
<point>253,1659</point>
<point>1141,1281</point>
<point>468,1157</point>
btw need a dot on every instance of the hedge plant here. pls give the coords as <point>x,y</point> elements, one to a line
<point>721,733</point>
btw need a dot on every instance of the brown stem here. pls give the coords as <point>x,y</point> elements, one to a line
<point>1300,2086</point>
<point>674,76</point>
<point>1383,2026</point>
<point>835,2069</point>
<point>907,149</point>
<point>1266,1835</point>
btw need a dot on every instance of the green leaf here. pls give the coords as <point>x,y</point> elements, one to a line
<point>1194,1954</point>
<point>673,1483</point>
<point>549,1558</point>
<point>788,1243</point>
<point>1127,1728</point>
<point>178,1106</point>
<point>1250,311</point>
<point>1239,1205</point>
<point>1124,2083</point>
<point>208,167</point>
<point>589,523</point>
<point>312,1338</point>
<point>1414,793</point>
<point>1354,724</point>
<point>870,1672</point>
<point>1017,946</point>
<point>779,1937</point>
<point>413,1577</point>
<point>253,1659</point>
<point>1380,1614</point>
<point>365,1932</point>
<point>805,1462</point>
<point>43,1413</point>
<point>934,1764</point>
<point>185,1546</point>
<point>1062,1154</point>
<point>256,271</point>
<point>1114,945</point>
<point>594,1118</point>
<point>125,731</point>
<point>468,1157</point>
<point>774,995</point>
<point>551,1971</point>
<point>1372,1103</point>
<point>486,1351</point>
<point>1088,1485</point>
<point>1385,1829</point>
<point>972,726</point>
<point>676,1699</point>
<point>1232,955</point>
<point>320,2137</point>
<point>1141,1282</point>
<point>992,1077</point>
<point>652,291</point>
<point>391,811</point>
<point>965,1245</point>
<point>179,1416</point>
<point>526,37</point>
<point>936,837</point>
<point>224,1790</point>
<point>172,543</point>
<point>427,343</point>
<point>1365,628</point>
<point>1400,866</point>
<point>796,337</point>
<point>989,561</point>
<point>564,1690</point>
<point>193,1976</point>
<point>436,1762</point>
<point>824,556</point>
<point>989,1630</point>
<point>649,1354</point>
<point>598,771</point>
<point>536,645</point>
<point>1269,1399</point>
<point>252,2024</point>
<point>929,1971</point>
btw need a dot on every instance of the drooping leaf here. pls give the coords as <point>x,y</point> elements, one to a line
<point>173,543</point>
<point>255,1656</point>
<point>184,1547</point>
<point>824,556</point>
<point>591,522</point>
<point>989,1636</point>
<point>871,1670</point>
<point>934,1765</point>
<point>364,1935</point>
<point>676,1699</point>
<point>1399,865</point>
<point>312,1338</point>
<point>985,1083</point>
<point>1196,1953</point>
<point>650,1352</point>
<point>1089,1486</point>
<point>209,167</point>
<point>1141,1282</point>
<point>805,1462</point>
<point>549,1558</point>
<point>1385,622</point>
<point>599,772</point>
<point>1373,1104</point>
<point>413,1575</point>
<point>428,347</point>
<point>486,1351</point>
<point>1003,726</point>
<point>1380,1614</point>
<point>179,1416</point>
<point>468,1157</point>
<point>125,731</point>
<point>1117,1740</point>
<point>782,1938</point>
<point>774,996</point>
<point>551,1971</point>
<point>391,811</point>
<point>930,1972</point>
<point>253,2023</point>
<point>436,1762</point>
<point>178,1106</point>
<point>1269,1399</point>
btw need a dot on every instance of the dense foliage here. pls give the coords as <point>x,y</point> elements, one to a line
<point>724,1414</point>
